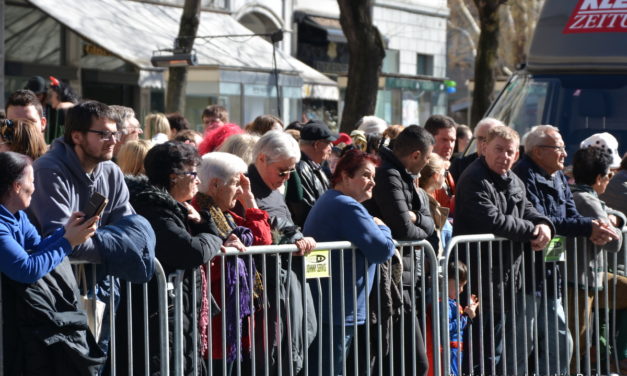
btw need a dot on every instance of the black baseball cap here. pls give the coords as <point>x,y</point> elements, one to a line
<point>316,130</point>
<point>37,85</point>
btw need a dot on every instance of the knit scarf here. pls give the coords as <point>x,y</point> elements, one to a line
<point>235,268</point>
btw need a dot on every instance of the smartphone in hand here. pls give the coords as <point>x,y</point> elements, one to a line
<point>95,205</point>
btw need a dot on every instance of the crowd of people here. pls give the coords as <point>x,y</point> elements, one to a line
<point>182,197</point>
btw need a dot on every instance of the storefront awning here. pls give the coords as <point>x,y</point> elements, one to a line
<point>132,30</point>
<point>330,25</point>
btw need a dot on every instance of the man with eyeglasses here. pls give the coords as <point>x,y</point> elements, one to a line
<point>127,124</point>
<point>77,165</point>
<point>310,180</point>
<point>541,170</point>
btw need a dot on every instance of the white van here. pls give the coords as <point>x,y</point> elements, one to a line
<point>576,73</point>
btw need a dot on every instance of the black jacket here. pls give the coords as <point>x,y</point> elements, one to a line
<point>304,188</point>
<point>393,197</point>
<point>488,203</point>
<point>288,290</point>
<point>45,333</point>
<point>273,202</point>
<point>180,245</point>
<point>459,164</point>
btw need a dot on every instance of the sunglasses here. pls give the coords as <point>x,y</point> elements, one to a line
<point>7,129</point>
<point>193,174</point>
<point>283,174</point>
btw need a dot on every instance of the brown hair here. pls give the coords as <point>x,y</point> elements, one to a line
<point>216,111</point>
<point>24,137</point>
<point>263,124</point>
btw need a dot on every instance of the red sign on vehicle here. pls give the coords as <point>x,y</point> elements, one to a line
<point>598,16</point>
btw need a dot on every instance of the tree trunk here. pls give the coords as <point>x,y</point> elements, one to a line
<point>486,59</point>
<point>177,76</point>
<point>366,54</point>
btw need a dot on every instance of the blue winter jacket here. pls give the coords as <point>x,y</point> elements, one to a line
<point>24,256</point>
<point>334,217</point>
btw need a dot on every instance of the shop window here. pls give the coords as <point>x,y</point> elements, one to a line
<point>424,65</point>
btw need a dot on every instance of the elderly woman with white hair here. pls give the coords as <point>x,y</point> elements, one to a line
<point>222,186</point>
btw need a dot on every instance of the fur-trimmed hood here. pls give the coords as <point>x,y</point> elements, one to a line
<point>143,194</point>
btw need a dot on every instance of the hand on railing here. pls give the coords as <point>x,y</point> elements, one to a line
<point>305,246</point>
<point>602,233</point>
<point>233,241</point>
<point>471,309</point>
<point>542,236</point>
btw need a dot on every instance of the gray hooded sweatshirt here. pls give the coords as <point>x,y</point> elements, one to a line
<point>63,187</point>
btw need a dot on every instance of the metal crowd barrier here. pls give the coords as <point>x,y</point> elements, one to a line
<point>117,346</point>
<point>530,323</point>
<point>281,341</point>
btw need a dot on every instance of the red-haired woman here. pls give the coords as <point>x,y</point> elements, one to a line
<point>339,215</point>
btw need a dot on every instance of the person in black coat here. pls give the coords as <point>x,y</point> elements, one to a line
<point>275,156</point>
<point>183,243</point>
<point>404,208</point>
<point>491,199</point>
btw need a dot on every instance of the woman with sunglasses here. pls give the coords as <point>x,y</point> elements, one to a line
<point>591,170</point>
<point>183,243</point>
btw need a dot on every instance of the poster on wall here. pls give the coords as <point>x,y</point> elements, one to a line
<point>410,112</point>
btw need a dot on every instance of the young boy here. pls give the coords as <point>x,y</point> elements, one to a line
<point>458,317</point>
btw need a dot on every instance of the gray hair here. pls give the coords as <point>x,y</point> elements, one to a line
<point>372,125</point>
<point>122,115</point>
<point>277,145</point>
<point>223,166</point>
<point>537,135</point>
<point>241,145</point>
<point>491,122</point>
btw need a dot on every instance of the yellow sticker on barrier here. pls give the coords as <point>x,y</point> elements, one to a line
<point>555,250</point>
<point>317,264</point>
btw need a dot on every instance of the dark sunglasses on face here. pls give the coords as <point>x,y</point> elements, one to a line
<point>283,174</point>
<point>193,174</point>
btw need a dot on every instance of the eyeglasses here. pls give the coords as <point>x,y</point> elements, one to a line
<point>481,138</point>
<point>285,173</point>
<point>609,175</point>
<point>106,135</point>
<point>193,174</point>
<point>560,149</point>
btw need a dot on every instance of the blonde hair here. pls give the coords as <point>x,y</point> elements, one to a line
<point>156,123</point>
<point>505,133</point>
<point>131,156</point>
<point>435,164</point>
<point>241,145</point>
